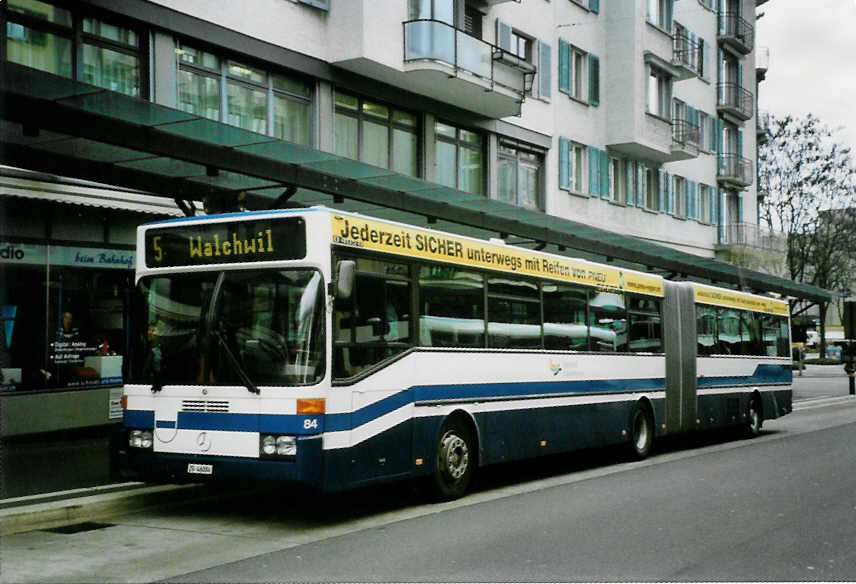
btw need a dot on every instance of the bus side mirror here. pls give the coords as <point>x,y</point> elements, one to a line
<point>344,283</point>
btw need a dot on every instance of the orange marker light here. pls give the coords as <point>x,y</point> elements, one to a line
<point>311,406</point>
<point>124,402</point>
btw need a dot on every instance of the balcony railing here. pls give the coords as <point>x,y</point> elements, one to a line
<point>750,235</point>
<point>736,32</point>
<point>734,169</point>
<point>735,100</point>
<point>434,40</point>
<point>685,132</point>
<point>686,53</point>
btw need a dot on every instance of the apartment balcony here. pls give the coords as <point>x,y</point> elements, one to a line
<point>751,235</point>
<point>736,33</point>
<point>446,64</point>
<point>685,139</point>
<point>733,100</point>
<point>734,171</point>
<point>762,127</point>
<point>686,57</point>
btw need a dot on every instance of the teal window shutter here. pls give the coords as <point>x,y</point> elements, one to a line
<point>604,174</point>
<point>721,14</point>
<point>594,80</point>
<point>739,142</point>
<point>594,171</point>
<point>594,6</point>
<point>545,67</point>
<point>670,6</point>
<point>503,35</point>
<point>640,185</point>
<point>740,207</point>
<point>712,134</point>
<point>564,163</point>
<point>661,199</point>
<point>564,66</point>
<point>693,213</point>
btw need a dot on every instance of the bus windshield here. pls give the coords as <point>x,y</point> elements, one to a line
<point>245,328</point>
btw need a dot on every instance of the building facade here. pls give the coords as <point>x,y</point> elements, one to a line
<point>636,116</point>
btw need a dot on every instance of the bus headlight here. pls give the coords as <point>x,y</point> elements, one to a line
<point>269,445</point>
<point>273,446</point>
<point>140,439</point>
<point>286,446</point>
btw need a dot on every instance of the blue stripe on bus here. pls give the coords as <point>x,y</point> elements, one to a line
<point>764,375</point>
<point>139,419</point>
<point>296,424</point>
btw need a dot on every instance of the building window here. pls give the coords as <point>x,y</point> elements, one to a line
<point>459,158</point>
<point>257,100</point>
<point>652,189</point>
<point>660,13</point>
<point>376,134</point>
<point>578,73</point>
<point>703,213</point>
<point>659,93</point>
<point>616,180</point>
<point>55,40</point>
<point>520,176</point>
<point>679,192</point>
<point>578,166</point>
<point>703,139</point>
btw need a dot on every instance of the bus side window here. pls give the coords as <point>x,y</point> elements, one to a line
<point>374,323</point>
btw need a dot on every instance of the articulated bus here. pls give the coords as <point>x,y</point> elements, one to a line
<point>337,350</point>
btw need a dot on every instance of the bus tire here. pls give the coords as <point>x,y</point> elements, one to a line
<point>642,431</point>
<point>754,417</point>
<point>454,460</point>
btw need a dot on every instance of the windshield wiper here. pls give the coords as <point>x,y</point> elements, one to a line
<point>236,365</point>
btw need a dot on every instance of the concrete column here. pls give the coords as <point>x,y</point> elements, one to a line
<point>164,70</point>
<point>324,136</point>
<point>429,160</point>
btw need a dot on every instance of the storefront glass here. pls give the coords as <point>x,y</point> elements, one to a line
<point>64,312</point>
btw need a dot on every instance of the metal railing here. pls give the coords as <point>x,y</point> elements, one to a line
<point>685,132</point>
<point>686,53</point>
<point>736,31</point>
<point>435,40</point>
<point>751,235</point>
<point>735,169</point>
<point>735,99</point>
<point>762,125</point>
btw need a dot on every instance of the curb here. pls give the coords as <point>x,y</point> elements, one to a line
<point>82,505</point>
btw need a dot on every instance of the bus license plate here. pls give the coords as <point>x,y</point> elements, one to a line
<point>201,469</point>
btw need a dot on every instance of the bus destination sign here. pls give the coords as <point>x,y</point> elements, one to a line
<point>230,242</point>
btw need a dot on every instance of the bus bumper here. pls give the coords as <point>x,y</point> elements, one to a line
<point>158,467</point>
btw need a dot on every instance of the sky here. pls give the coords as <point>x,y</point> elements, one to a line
<point>812,61</point>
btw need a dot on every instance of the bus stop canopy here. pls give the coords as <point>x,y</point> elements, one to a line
<point>61,126</point>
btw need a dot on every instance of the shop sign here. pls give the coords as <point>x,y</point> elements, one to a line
<point>55,255</point>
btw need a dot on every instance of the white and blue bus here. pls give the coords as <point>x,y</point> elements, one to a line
<point>337,350</point>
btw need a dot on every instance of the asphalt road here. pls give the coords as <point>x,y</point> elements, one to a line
<point>779,507</point>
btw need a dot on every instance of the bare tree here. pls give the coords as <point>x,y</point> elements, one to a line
<point>810,181</point>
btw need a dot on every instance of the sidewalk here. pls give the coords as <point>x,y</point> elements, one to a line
<point>66,508</point>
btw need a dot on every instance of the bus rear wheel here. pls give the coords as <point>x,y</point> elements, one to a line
<point>454,461</point>
<point>642,432</point>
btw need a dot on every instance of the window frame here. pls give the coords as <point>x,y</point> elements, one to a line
<point>518,158</point>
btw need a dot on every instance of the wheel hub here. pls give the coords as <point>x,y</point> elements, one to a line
<point>454,456</point>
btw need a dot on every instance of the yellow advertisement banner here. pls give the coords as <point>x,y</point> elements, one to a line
<point>361,233</point>
<point>734,299</point>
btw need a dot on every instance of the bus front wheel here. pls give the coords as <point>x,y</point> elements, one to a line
<point>454,461</point>
<point>754,417</point>
<point>642,432</point>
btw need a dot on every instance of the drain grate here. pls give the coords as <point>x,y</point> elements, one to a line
<point>78,527</point>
